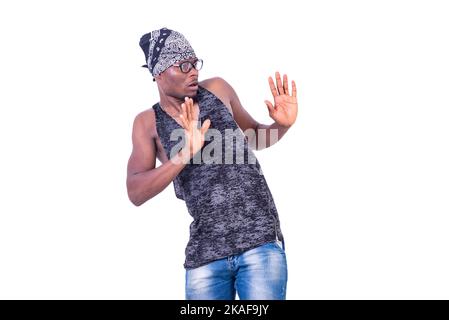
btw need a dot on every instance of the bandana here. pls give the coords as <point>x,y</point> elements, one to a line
<point>163,48</point>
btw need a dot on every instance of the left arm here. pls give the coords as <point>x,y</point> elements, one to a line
<point>284,113</point>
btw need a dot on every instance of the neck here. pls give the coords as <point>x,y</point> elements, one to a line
<point>171,104</point>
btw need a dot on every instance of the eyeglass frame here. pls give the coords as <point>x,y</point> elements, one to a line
<point>192,65</point>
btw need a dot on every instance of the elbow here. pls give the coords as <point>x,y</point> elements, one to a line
<point>135,202</point>
<point>133,195</point>
<point>137,194</point>
<point>137,198</point>
<point>134,199</point>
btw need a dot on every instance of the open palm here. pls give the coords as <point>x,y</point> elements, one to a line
<point>285,109</point>
<point>194,136</point>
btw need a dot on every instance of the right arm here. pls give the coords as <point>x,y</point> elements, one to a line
<point>144,180</point>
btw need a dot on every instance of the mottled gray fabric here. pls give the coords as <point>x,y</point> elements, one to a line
<point>231,205</point>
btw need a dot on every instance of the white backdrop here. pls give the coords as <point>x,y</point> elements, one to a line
<point>361,181</point>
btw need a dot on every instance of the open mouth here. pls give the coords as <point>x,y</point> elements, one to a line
<point>194,83</point>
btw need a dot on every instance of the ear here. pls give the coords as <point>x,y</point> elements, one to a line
<point>158,77</point>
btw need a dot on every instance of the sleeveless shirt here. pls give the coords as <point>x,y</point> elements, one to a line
<point>232,207</point>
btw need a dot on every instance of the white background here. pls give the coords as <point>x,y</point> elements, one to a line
<point>361,181</point>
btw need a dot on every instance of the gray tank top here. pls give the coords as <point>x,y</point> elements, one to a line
<point>231,205</point>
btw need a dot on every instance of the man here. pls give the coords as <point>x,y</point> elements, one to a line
<point>236,244</point>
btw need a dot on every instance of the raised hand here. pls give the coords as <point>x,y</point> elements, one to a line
<point>194,135</point>
<point>285,107</point>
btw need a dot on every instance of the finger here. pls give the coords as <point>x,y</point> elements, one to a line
<point>205,126</point>
<point>272,87</point>
<point>192,110</point>
<point>188,109</point>
<point>294,88</point>
<point>279,83</point>
<point>269,106</point>
<point>182,116</point>
<point>285,81</point>
<point>194,115</point>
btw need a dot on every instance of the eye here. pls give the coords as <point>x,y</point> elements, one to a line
<point>185,66</point>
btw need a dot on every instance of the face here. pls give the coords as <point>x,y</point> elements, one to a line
<point>173,82</point>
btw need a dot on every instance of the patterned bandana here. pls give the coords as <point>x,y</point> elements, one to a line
<point>163,48</point>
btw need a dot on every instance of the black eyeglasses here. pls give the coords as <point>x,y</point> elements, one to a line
<point>186,66</point>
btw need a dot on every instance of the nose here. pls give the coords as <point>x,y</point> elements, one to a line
<point>193,71</point>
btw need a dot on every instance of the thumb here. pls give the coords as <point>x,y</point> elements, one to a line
<point>269,106</point>
<point>205,126</point>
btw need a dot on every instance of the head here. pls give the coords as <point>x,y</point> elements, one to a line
<point>172,62</point>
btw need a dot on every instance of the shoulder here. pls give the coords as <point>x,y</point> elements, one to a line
<point>217,84</point>
<point>145,122</point>
<point>221,88</point>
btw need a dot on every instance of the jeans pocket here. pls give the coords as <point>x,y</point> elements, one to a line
<point>279,244</point>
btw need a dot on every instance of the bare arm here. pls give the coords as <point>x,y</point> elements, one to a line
<point>268,135</point>
<point>144,181</point>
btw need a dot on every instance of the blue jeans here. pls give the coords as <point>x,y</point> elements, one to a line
<point>256,274</point>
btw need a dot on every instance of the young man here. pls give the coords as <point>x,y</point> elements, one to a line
<point>236,244</point>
